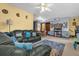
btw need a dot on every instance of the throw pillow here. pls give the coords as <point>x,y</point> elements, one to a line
<point>33,34</point>
<point>27,35</point>
<point>18,34</point>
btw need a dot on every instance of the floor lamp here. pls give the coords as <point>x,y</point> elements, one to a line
<point>9,23</point>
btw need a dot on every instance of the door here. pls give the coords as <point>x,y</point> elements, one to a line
<point>34,25</point>
<point>47,26</point>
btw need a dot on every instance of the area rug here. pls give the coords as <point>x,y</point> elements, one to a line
<point>56,45</point>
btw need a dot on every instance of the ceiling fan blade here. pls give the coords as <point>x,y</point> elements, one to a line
<point>37,7</point>
<point>48,9</point>
<point>49,5</point>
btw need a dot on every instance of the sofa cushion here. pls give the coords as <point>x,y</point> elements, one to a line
<point>19,45</point>
<point>6,50</point>
<point>28,46</point>
<point>10,50</point>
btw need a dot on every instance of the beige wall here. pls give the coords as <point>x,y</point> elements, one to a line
<point>17,22</point>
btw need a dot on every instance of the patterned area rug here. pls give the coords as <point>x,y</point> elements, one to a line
<point>54,45</point>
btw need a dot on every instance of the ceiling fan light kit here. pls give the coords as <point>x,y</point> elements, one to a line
<point>44,7</point>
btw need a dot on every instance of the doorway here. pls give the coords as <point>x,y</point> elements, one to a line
<point>45,27</point>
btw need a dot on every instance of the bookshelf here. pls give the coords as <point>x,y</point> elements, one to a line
<point>58,30</point>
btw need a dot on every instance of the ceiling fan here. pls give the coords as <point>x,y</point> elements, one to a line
<point>44,7</point>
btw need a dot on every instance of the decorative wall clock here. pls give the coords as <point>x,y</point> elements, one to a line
<point>26,17</point>
<point>17,14</point>
<point>4,11</point>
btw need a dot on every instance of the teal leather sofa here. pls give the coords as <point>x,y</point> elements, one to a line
<point>8,49</point>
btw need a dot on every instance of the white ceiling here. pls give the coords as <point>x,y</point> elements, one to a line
<point>58,9</point>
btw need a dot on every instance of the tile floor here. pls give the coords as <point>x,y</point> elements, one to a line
<point>68,50</point>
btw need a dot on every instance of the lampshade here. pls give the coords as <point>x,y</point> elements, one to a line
<point>9,22</point>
